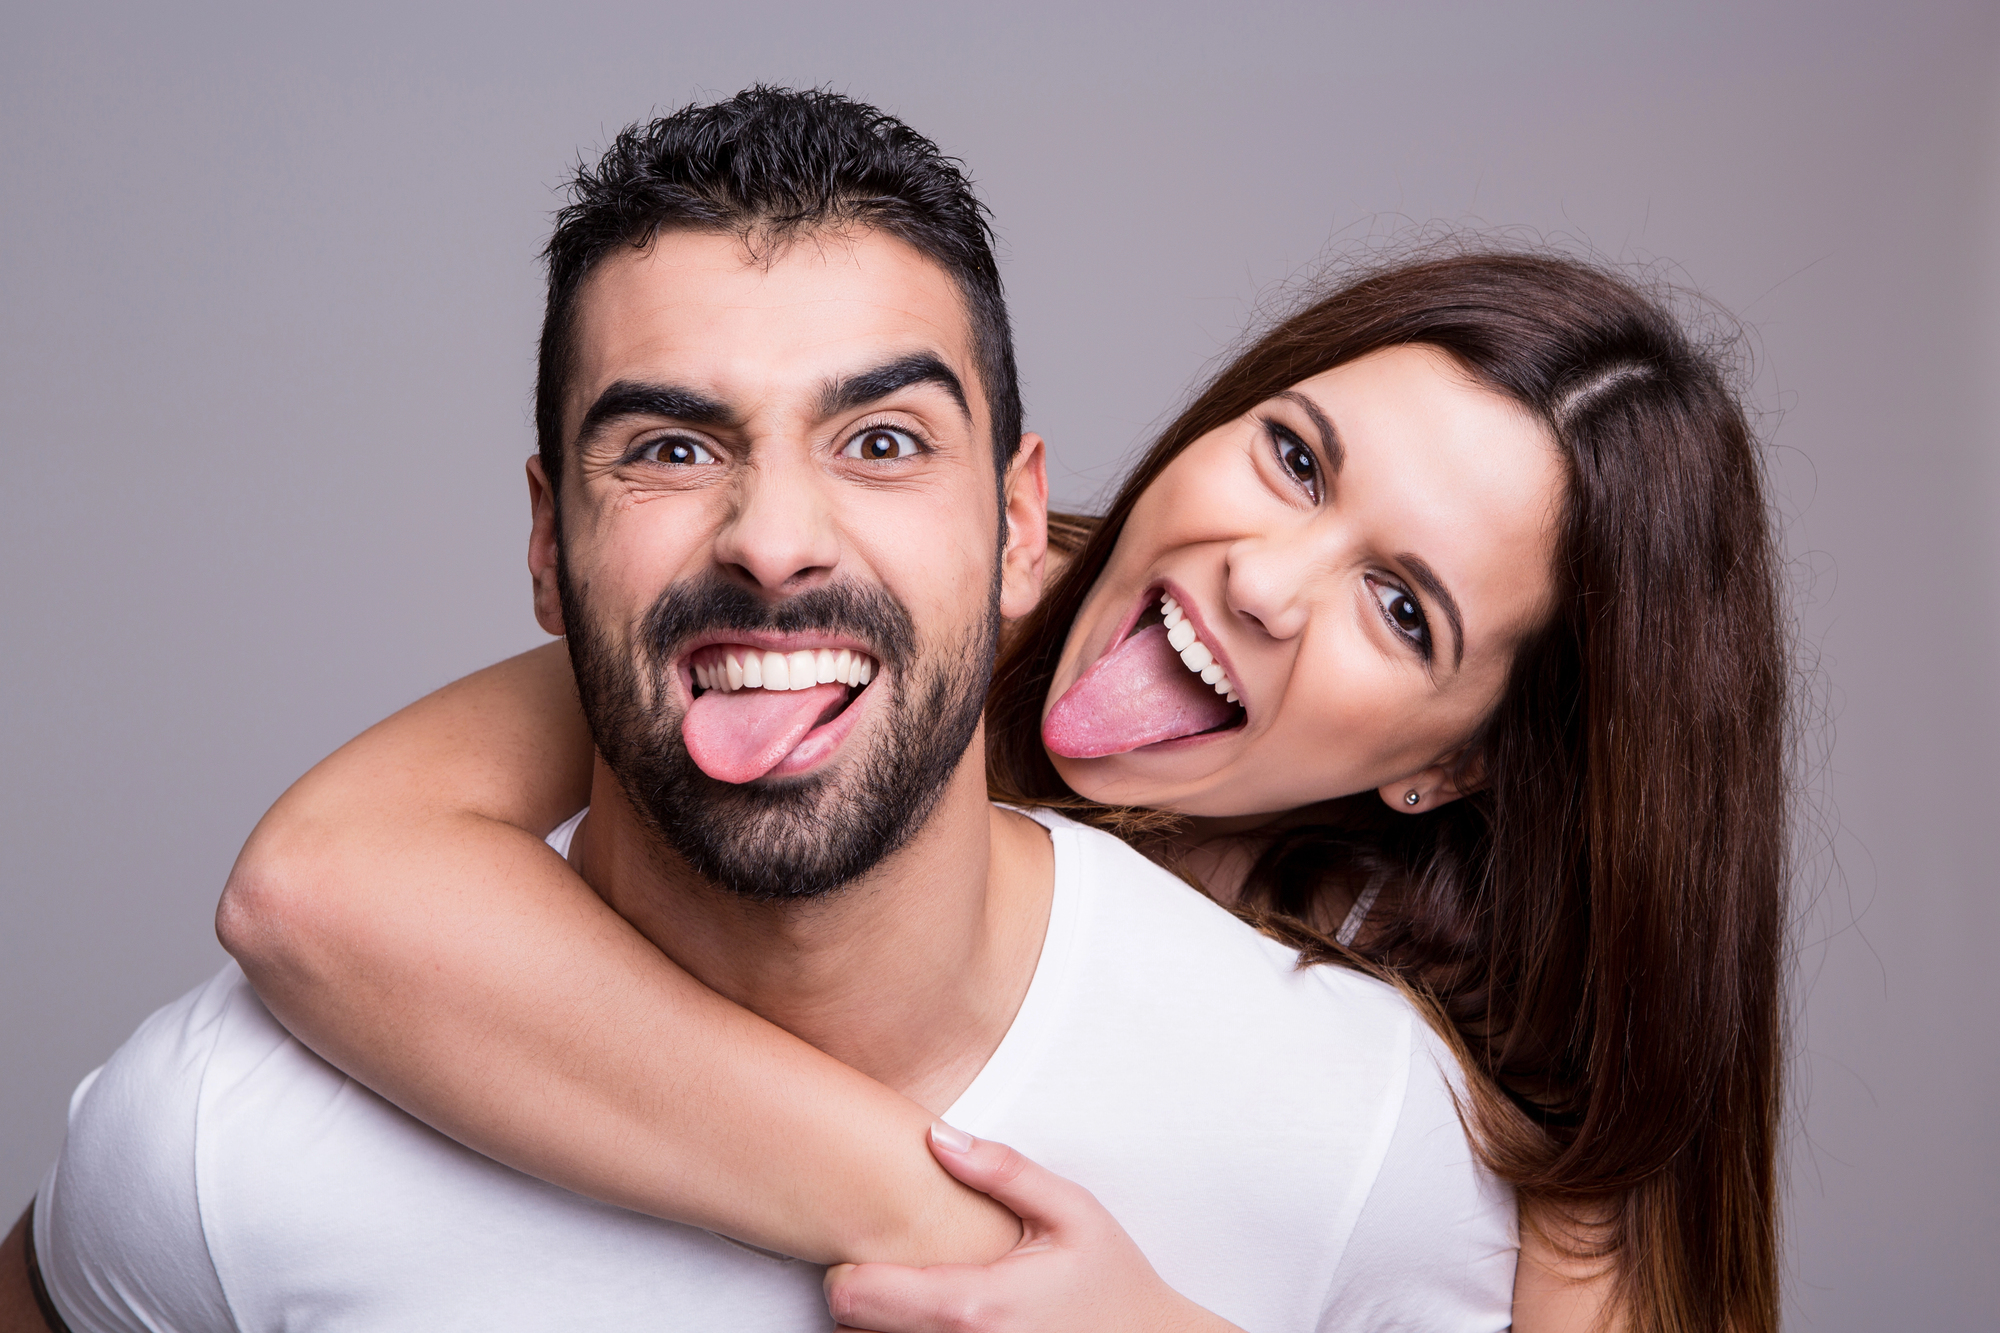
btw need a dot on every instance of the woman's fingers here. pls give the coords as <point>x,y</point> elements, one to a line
<point>1042,1199</point>
<point>1075,1270</point>
<point>888,1298</point>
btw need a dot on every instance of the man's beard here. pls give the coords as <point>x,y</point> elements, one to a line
<point>791,838</point>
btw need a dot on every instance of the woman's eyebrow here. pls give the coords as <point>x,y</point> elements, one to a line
<point>1329,438</point>
<point>1426,578</point>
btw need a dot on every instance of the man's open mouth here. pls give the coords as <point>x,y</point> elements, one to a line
<point>758,713</point>
<point>729,668</point>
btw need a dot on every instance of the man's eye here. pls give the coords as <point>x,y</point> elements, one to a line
<point>879,444</point>
<point>676,451</point>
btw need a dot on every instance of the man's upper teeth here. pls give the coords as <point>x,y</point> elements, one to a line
<point>748,669</point>
<point>1194,653</point>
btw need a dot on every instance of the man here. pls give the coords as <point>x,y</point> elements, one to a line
<point>781,506</point>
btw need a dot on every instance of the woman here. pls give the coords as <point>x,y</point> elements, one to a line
<point>1539,780</point>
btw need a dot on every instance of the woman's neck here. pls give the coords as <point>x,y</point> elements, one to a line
<point>1220,851</point>
<point>1219,862</point>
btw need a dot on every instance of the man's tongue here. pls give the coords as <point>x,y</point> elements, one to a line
<point>1137,694</point>
<point>742,735</point>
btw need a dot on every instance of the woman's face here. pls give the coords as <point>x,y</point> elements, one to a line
<point>1359,556</point>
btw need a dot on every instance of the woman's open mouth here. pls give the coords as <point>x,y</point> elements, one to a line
<point>1157,683</point>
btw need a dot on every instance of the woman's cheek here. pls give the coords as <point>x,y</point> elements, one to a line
<point>1333,738</point>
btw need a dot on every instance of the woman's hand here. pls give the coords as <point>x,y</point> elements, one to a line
<point>1075,1268</point>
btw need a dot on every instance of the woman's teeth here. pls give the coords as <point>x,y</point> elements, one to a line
<point>747,669</point>
<point>1194,653</point>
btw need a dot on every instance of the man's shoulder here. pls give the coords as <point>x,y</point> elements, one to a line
<point>1279,1090</point>
<point>1144,971</point>
<point>211,1046</point>
<point>120,1213</point>
<point>143,1105</point>
<point>1128,897</point>
<point>1161,982</point>
<point>214,1143</point>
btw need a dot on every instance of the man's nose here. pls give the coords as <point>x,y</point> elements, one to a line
<point>781,536</point>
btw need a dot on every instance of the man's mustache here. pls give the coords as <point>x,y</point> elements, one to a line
<point>709,605</point>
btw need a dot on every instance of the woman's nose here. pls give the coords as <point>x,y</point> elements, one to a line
<point>1266,581</point>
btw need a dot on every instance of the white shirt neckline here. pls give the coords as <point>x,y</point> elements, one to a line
<point>1006,1069</point>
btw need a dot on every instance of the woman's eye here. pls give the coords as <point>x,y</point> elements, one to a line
<point>880,444</point>
<point>1402,612</point>
<point>676,451</point>
<point>1297,460</point>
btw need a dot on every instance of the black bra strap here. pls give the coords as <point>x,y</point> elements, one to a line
<point>36,1285</point>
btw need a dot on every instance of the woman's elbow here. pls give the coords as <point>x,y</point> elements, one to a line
<point>269,908</point>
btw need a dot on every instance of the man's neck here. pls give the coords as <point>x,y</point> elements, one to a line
<point>912,974</point>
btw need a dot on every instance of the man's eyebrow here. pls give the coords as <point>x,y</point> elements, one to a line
<point>633,398</point>
<point>1329,438</point>
<point>868,386</point>
<point>1426,578</point>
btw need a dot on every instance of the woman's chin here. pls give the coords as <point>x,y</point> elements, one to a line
<point>1154,782</point>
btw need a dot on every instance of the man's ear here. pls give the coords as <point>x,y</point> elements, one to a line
<point>542,548</point>
<point>1024,557</point>
<point>1440,784</point>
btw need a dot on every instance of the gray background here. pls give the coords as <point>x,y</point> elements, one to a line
<point>267,309</point>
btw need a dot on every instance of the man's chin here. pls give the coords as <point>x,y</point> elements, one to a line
<point>789,838</point>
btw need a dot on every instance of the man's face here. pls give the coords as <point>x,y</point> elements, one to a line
<point>776,558</point>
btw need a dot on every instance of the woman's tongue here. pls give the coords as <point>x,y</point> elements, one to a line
<point>741,735</point>
<point>1137,694</point>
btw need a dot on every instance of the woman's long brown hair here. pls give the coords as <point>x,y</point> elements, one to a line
<point>1600,921</point>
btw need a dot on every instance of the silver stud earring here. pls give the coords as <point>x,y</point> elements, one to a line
<point>1410,797</point>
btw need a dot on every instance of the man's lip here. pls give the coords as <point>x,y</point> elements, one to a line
<point>765,641</point>
<point>824,741</point>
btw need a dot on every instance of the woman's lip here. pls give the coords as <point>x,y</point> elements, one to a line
<point>1124,631</point>
<point>1151,598</point>
<point>1186,742</point>
<point>1192,610</point>
<point>1118,636</point>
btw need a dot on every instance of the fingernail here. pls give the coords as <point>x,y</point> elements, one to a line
<point>950,1139</point>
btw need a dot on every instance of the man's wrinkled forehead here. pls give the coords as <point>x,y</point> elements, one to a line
<point>753,332</point>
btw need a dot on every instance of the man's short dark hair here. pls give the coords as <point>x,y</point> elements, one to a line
<point>771,164</point>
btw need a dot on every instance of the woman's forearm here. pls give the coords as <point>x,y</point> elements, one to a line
<point>400,913</point>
